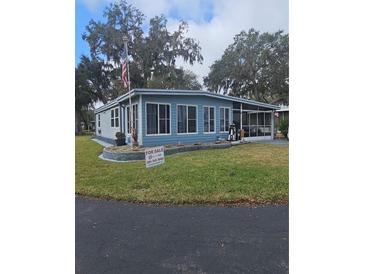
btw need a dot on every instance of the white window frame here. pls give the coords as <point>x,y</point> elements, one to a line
<point>158,118</point>
<point>215,120</point>
<point>112,117</point>
<point>112,111</point>
<point>187,119</point>
<point>224,118</point>
<point>127,114</point>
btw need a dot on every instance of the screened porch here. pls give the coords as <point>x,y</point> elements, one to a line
<point>257,122</point>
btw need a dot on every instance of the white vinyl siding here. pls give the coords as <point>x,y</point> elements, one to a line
<point>105,129</point>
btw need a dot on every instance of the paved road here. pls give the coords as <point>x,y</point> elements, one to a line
<point>119,237</point>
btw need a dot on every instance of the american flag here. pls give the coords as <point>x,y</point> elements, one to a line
<point>124,70</point>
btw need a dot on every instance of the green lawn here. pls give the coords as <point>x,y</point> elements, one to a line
<point>251,173</point>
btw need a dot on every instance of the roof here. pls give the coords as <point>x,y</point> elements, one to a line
<point>283,108</point>
<point>139,91</point>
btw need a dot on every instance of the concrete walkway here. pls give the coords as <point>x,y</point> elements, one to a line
<point>104,144</point>
<point>120,237</point>
<point>282,142</point>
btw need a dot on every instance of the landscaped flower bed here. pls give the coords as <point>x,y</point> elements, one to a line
<point>126,153</point>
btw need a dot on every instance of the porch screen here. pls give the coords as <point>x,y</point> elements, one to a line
<point>256,123</point>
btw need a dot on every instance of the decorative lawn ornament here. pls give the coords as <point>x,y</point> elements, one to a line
<point>232,133</point>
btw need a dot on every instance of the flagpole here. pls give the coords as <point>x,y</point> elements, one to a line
<point>125,40</point>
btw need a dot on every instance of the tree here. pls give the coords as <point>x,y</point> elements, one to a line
<point>255,66</point>
<point>88,89</point>
<point>177,79</point>
<point>187,79</point>
<point>157,51</point>
<point>98,76</point>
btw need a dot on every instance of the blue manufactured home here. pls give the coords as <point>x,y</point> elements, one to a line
<point>183,116</point>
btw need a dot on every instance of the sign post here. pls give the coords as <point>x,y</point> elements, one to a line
<point>154,156</point>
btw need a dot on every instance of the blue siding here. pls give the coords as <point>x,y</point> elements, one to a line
<point>174,138</point>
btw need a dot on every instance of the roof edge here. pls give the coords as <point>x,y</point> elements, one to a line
<point>137,91</point>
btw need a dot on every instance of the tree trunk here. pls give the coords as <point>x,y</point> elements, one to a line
<point>77,122</point>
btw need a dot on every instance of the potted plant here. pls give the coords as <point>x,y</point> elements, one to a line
<point>284,127</point>
<point>120,141</point>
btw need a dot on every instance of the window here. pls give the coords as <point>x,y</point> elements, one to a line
<point>134,118</point>
<point>209,119</point>
<point>164,119</point>
<point>186,119</point>
<point>224,119</point>
<point>98,120</point>
<point>114,117</point>
<point>158,118</point>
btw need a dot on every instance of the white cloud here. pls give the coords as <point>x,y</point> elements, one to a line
<point>229,17</point>
<point>153,7</point>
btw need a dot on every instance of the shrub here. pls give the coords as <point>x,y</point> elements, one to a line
<point>120,138</point>
<point>120,135</point>
<point>284,127</point>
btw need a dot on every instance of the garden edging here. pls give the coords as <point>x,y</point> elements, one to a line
<point>140,155</point>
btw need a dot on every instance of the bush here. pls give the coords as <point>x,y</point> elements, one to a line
<point>120,135</point>
<point>284,127</point>
<point>120,138</point>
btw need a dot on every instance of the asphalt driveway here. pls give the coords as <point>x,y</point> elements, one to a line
<point>120,237</point>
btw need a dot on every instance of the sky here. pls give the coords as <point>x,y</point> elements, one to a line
<point>213,23</point>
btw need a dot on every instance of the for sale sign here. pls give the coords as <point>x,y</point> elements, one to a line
<point>154,156</point>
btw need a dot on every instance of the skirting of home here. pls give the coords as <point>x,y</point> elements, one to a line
<point>125,156</point>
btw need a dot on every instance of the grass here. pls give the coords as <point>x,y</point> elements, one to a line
<point>251,173</point>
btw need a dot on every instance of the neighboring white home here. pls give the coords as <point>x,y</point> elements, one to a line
<point>281,114</point>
